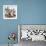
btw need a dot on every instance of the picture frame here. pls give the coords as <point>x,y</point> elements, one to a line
<point>9,11</point>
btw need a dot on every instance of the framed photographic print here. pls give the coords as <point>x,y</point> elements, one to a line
<point>9,11</point>
<point>32,32</point>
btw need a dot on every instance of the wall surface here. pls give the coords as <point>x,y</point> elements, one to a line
<point>7,26</point>
<point>33,12</point>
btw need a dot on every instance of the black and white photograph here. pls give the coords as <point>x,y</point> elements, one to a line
<point>31,34</point>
